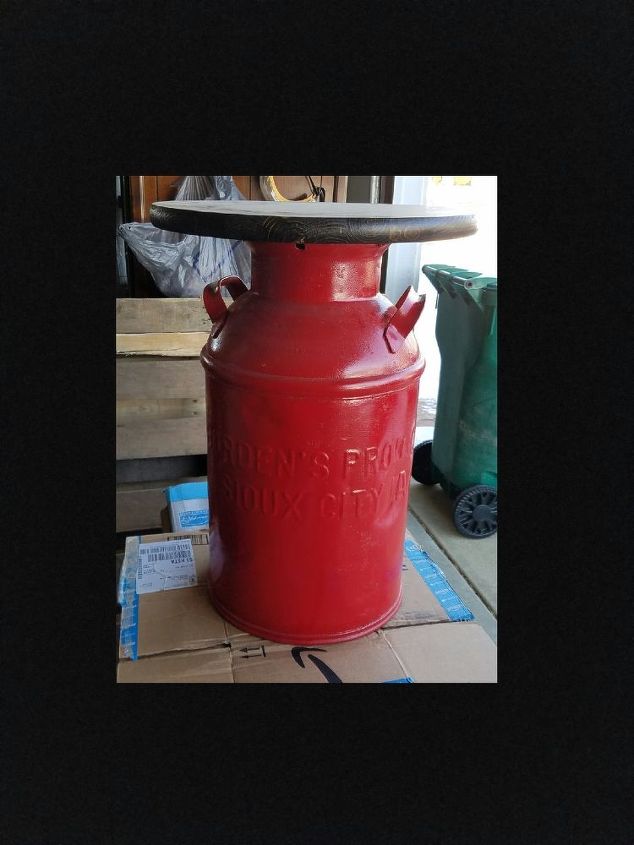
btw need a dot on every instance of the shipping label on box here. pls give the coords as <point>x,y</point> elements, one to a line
<point>165,565</point>
<point>159,619</point>
<point>200,546</point>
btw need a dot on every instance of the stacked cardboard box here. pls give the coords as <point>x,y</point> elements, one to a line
<point>176,636</point>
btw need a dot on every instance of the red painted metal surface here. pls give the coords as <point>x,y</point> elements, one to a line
<point>312,383</point>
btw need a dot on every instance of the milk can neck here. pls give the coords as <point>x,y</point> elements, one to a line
<point>316,272</point>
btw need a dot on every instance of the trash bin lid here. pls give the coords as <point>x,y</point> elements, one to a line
<point>324,222</point>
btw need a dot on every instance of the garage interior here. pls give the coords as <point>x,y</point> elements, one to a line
<point>161,435</point>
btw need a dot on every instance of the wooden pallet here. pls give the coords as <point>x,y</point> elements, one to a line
<point>160,396</point>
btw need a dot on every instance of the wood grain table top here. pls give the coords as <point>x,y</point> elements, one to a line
<point>323,222</point>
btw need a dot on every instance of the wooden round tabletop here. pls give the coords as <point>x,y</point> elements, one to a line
<point>319,222</point>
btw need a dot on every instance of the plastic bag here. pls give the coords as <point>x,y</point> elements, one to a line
<point>181,265</point>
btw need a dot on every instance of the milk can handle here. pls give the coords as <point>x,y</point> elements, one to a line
<point>212,296</point>
<point>406,311</point>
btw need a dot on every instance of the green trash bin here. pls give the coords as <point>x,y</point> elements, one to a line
<point>462,457</point>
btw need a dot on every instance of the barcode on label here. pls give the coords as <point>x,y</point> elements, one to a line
<point>201,539</point>
<point>165,565</point>
<point>173,556</point>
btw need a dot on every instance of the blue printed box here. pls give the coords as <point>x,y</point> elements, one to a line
<point>188,506</point>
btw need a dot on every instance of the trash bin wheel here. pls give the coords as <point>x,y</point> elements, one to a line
<point>475,511</point>
<point>421,463</point>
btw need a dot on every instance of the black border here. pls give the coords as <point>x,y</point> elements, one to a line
<point>536,758</point>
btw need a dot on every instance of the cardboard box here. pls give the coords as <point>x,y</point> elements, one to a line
<point>450,652</point>
<point>205,666</point>
<point>168,620</point>
<point>176,636</point>
<point>368,660</point>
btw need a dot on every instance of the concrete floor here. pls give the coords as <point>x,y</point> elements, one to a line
<point>469,565</point>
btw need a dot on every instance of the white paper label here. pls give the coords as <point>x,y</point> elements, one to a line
<point>165,566</point>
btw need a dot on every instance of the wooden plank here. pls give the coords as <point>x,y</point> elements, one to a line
<point>340,189</point>
<point>160,484</point>
<point>161,438</point>
<point>139,378</point>
<point>169,344</point>
<point>143,190</point>
<point>139,506</point>
<point>129,410</point>
<point>152,469</point>
<point>171,314</point>
<point>255,193</point>
<point>243,184</point>
<point>166,520</point>
<point>167,186</point>
<point>138,510</point>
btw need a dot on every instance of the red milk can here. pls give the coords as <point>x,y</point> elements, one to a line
<point>312,385</point>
